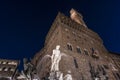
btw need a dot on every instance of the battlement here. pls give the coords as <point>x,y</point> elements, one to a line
<point>77,17</point>
<point>62,19</point>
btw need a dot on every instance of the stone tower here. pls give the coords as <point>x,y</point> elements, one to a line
<point>83,53</point>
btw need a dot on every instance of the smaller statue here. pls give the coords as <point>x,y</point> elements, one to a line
<point>68,76</point>
<point>28,69</point>
<point>61,76</point>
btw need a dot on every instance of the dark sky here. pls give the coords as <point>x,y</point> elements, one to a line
<point>25,23</point>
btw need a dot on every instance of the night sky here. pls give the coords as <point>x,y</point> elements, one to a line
<point>25,23</point>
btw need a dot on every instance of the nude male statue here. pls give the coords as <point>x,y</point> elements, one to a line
<point>55,58</point>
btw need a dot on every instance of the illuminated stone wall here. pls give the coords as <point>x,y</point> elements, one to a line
<point>86,57</point>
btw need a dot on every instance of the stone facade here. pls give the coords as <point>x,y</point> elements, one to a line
<point>8,69</point>
<point>84,53</point>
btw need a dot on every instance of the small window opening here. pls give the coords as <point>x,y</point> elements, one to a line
<point>78,50</point>
<point>69,47</point>
<point>75,62</point>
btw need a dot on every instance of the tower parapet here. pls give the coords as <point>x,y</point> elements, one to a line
<point>77,17</point>
<point>62,19</point>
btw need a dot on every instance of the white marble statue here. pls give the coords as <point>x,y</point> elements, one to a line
<point>55,58</point>
<point>97,78</point>
<point>68,76</point>
<point>61,76</point>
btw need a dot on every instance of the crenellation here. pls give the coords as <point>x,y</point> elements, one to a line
<point>67,21</point>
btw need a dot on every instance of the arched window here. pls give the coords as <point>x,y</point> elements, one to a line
<point>78,49</point>
<point>69,47</point>
<point>75,62</point>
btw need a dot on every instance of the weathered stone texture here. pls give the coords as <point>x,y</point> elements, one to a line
<point>93,60</point>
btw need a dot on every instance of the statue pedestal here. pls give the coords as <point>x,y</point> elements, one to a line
<point>57,75</point>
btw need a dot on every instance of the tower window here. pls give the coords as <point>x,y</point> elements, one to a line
<point>69,47</point>
<point>78,50</point>
<point>75,62</point>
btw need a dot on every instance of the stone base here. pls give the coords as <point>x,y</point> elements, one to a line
<point>57,75</point>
